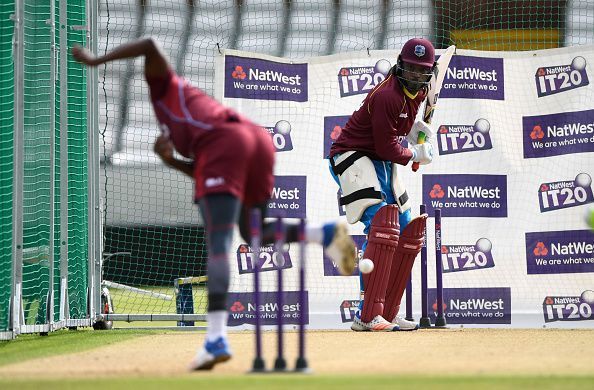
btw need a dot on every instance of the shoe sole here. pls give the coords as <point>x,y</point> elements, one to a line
<point>345,246</point>
<point>408,329</point>
<point>209,365</point>
<point>357,328</point>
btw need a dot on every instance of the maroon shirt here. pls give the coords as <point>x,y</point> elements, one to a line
<point>378,127</point>
<point>188,114</point>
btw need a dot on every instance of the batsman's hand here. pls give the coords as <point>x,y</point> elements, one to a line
<point>164,149</point>
<point>422,153</point>
<point>82,55</point>
<point>418,127</point>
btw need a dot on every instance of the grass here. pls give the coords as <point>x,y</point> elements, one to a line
<point>326,382</point>
<point>128,302</point>
<point>31,346</point>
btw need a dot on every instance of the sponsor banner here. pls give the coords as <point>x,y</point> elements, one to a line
<point>470,77</point>
<point>288,197</point>
<point>466,195</point>
<point>560,252</point>
<point>558,134</point>
<point>575,308</point>
<point>453,139</point>
<point>242,309</point>
<point>268,259</point>
<point>330,268</point>
<point>556,79</point>
<point>355,80</point>
<point>348,308</point>
<point>333,126</point>
<point>457,258</point>
<point>488,305</point>
<point>252,78</point>
<point>563,194</point>
<point>281,136</point>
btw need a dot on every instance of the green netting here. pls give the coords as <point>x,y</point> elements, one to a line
<point>6,171</point>
<point>150,218</point>
<point>54,104</point>
<point>77,167</point>
<point>36,182</point>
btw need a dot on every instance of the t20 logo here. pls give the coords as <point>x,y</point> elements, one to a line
<point>269,259</point>
<point>362,79</point>
<point>555,79</point>
<point>569,308</point>
<point>281,136</point>
<point>564,194</point>
<point>455,258</point>
<point>464,138</point>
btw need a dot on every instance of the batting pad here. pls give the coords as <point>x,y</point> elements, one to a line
<point>409,246</point>
<point>381,247</point>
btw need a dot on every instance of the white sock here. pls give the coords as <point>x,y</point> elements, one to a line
<point>217,325</point>
<point>314,234</point>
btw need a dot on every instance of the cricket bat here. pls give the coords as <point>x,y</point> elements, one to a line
<point>433,94</point>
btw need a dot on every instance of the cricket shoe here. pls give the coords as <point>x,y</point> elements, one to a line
<point>404,325</point>
<point>214,352</point>
<point>377,324</point>
<point>340,247</point>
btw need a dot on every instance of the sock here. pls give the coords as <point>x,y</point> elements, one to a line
<point>314,234</point>
<point>217,325</point>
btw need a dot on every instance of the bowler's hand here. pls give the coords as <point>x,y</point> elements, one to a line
<point>164,149</point>
<point>83,55</point>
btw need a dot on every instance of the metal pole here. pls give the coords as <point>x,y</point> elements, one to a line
<point>425,321</point>
<point>280,363</point>
<point>440,319</point>
<point>301,364</point>
<point>18,170</point>
<point>256,231</point>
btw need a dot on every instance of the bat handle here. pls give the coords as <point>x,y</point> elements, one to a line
<point>420,140</point>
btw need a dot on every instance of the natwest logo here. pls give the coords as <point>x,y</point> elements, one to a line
<point>238,73</point>
<point>471,73</point>
<point>271,75</point>
<point>558,134</point>
<point>243,310</point>
<point>537,133</point>
<point>466,195</point>
<point>237,307</point>
<point>474,192</point>
<point>470,77</point>
<point>558,252</point>
<point>436,192</point>
<point>540,249</point>
<point>255,78</point>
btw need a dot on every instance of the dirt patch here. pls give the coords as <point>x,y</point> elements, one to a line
<point>435,352</point>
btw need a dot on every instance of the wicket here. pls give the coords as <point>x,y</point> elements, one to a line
<point>425,321</point>
<point>280,363</point>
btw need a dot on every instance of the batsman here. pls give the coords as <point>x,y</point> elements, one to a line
<point>366,160</point>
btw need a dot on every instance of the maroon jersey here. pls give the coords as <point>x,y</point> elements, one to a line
<point>378,127</point>
<point>231,154</point>
<point>186,113</point>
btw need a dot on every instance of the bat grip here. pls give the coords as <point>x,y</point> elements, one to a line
<point>420,140</point>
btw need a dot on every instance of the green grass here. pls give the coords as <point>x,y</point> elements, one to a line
<point>326,382</point>
<point>31,346</point>
<point>128,302</point>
